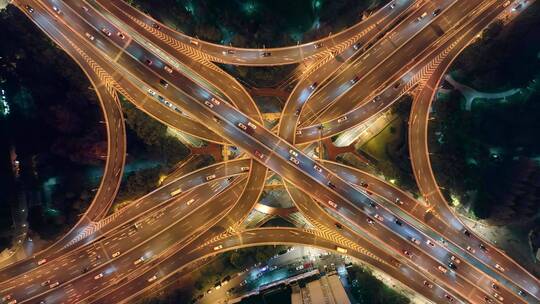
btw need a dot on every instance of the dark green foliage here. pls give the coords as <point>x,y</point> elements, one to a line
<point>367,289</point>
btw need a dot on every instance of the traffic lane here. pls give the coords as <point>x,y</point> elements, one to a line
<point>365,63</point>
<point>303,89</point>
<point>282,55</point>
<point>423,261</point>
<point>417,137</point>
<point>128,236</point>
<point>155,242</point>
<point>390,53</point>
<point>234,91</point>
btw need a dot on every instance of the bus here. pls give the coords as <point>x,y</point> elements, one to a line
<point>341,250</point>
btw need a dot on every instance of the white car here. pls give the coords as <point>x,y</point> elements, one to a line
<point>499,267</point>
<point>153,278</point>
<point>430,243</point>
<point>106,32</point>
<point>121,35</point>
<point>209,104</point>
<point>116,254</point>
<point>215,101</point>
<point>53,285</point>
<point>317,168</point>
<point>294,153</point>
<point>56,10</point>
<point>42,261</point>
<point>139,260</point>
<point>416,241</point>
<point>298,132</point>
<point>253,126</point>
<point>244,169</point>
<point>294,160</point>
<point>210,177</point>
<point>194,42</point>
<point>442,269</point>
<point>380,218</point>
<point>370,221</point>
<point>99,276</point>
<point>242,126</point>
<point>300,267</point>
<point>455,259</point>
<point>218,247</point>
<point>331,203</point>
<point>190,201</point>
<point>151,92</point>
<point>168,69</point>
<point>342,119</point>
<point>89,36</point>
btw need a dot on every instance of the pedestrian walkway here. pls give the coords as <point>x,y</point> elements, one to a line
<point>471,94</point>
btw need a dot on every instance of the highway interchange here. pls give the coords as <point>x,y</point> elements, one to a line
<point>353,75</point>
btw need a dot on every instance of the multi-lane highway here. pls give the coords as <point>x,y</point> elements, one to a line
<point>356,74</point>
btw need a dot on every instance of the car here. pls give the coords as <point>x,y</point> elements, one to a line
<point>467,233</point>
<point>266,54</point>
<point>298,132</point>
<point>470,249</point>
<point>430,243</point>
<point>12,302</point>
<point>151,92</point>
<point>98,276</point>
<point>380,218</point>
<point>294,153</point>
<point>515,8</point>
<point>215,101</point>
<point>116,254</point>
<point>436,12</point>
<point>148,62</point>
<point>454,259</point>
<point>424,14</point>
<point>89,36</point>
<point>442,269</point>
<point>392,5</point>
<point>355,79</point>
<point>357,46</point>
<point>56,10</point>
<point>407,253</point>
<point>194,42</point>
<point>488,299</point>
<point>53,285</point>
<point>314,85</point>
<point>163,83</point>
<point>452,266</point>
<point>318,45</point>
<point>414,240</point>
<point>499,267</point>
<point>48,282</point>
<point>448,297</point>
<point>190,201</point>
<point>156,26</point>
<point>297,112</point>
<point>483,247</point>
<point>338,226</point>
<point>244,169</point>
<point>210,177</point>
<point>370,221</point>
<point>168,69</point>
<point>332,204</point>
<point>121,35</point>
<point>498,297</point>
<point>427,284</point>
<point>242,126</point>
<point>29,8</point>
<point>106,32</point>
<point>398,222</point>
<point>228,52</point>
<point>373,205</point>
<point>317,168</point>
<point>252,125</point>
<point>139,260</point>
<point>342,119</point>
<point>209,104</point>
<point>42,261</point>
<point>294,160</point>
<point>522,293</point>
<point>300,267</point>
<point>331,185</point>
<point>152,278</point>
<point>218,247</point>
<point>364,184</point>
<point>259,154</point>
<point>398,201</point>
<point>397,84</point>
<point>85,8</point>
